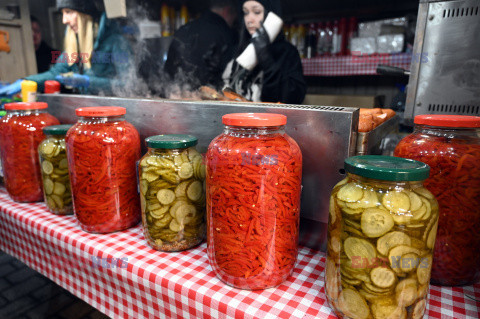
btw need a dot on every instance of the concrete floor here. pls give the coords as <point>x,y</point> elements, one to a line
<point>26,294</point>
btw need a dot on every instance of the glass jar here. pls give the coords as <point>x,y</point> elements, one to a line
<point>172,192</point>
<point>381,235</point>
<point>20,134</point>
<point>54,168</point>
<point>102,150</point>
<point>254,172</point>
<point>450,144</point>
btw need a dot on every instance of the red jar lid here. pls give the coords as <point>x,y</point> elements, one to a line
<point>51,87</point>
<point>26,106</point>
<point>448,120</point>
<point>95,111</point>
<point>254,119</point>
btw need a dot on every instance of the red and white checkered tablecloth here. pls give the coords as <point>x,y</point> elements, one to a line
<point>353,65</point>
<point>152,284</point>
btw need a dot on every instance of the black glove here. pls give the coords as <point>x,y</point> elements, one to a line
<point>261,42</point>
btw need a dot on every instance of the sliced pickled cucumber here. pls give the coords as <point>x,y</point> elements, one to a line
<point>383,277</point>
<point>350,193</point>
<point>397,202</point>
<point>415,200</point>
<point>391,240</point>
<point>432,235</point>
<point>185,171</point>
<point>332,210</point>
<point>419,309</point>
<point>175,206</point>
<point>171,178</point>
<point>59,189</point>
<point>185,213</point>
<point>375,289</point>
<point>192,153</point>
<point>419,213</point>
<point>395,256</point>
<point>342,182</point>
<point>164,221</point>
<point>165,196</point>
<point>176,226</point>
<point>178,160</point>
<point>368,200</point>
<point>357,247</point>
<point>48,186</point>
<point>409,262</point>
<point>143,202</point>
<point>181,189</point>
<point>47,167</point>
<point>376,222</point>
<point>150,177</point>
<point>159,213</point>
<point>428,209</point>
<point>423,269</point>
<point>194,191</point>
<point>406,292</point>
<point>51,203</point>
<point>58,201</point>
<point>63,164</point>
<point>48,148</point>
<point>424,192</point>
<point>353,305</point>
<point>143,186</point>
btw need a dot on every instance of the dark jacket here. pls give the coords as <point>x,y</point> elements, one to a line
<point>279,81</point>
<point>44,57</point>
<point>111,58</point>
<point>200,50</point>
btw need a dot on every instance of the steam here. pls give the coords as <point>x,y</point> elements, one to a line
<point>143,76</point>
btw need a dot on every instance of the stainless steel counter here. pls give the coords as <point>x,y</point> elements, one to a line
<point>326,136</point>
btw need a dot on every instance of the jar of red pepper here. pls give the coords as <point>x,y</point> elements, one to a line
<point>102,150</point>
<point>253,180</point>
<point>20,134</point>
<point>450,145</point>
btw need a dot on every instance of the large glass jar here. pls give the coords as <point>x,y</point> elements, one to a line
<point>20,134</point>
<point>450,144</point>
<point>102,150</point>
<point>172,192</point>
<point>254,172</point>
<point>54,168</point>
<point>381,235</point>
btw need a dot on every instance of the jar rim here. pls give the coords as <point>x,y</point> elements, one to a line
<point>26,106</point>
<point>448,120</point>
<point>57,129</point>
<point>99,111</point>
<point>254,119</point>
<point>387,168</point>
<point>171,141</point>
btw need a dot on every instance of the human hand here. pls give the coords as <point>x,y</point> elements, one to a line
<point>74,80</point>
<point>261,43</point>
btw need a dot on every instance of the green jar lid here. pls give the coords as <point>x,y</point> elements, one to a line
<point>171,141</point>
<point>3,113</point>
<point>57,129</point>
<point>387,168</point>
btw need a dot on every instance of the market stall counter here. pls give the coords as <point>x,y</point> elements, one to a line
<point>121,276</point>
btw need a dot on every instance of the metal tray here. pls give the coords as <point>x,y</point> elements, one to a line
<point>366,141</point>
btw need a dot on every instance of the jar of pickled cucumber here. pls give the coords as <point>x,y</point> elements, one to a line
<point>381,236</point>
<point>20,134</point>
<point>172,192</point>
<point>54,168</point>
<point>102,151</point>
<point>450,144</point>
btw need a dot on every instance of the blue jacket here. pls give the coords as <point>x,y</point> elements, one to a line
<point>111,58</point>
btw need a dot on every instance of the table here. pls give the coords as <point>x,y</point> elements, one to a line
<point>121,276</point>
<point>353,65</point>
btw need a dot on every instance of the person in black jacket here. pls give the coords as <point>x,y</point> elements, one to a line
<point>201,49</point>
<point>278,77</point>
<point>43,52</point>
